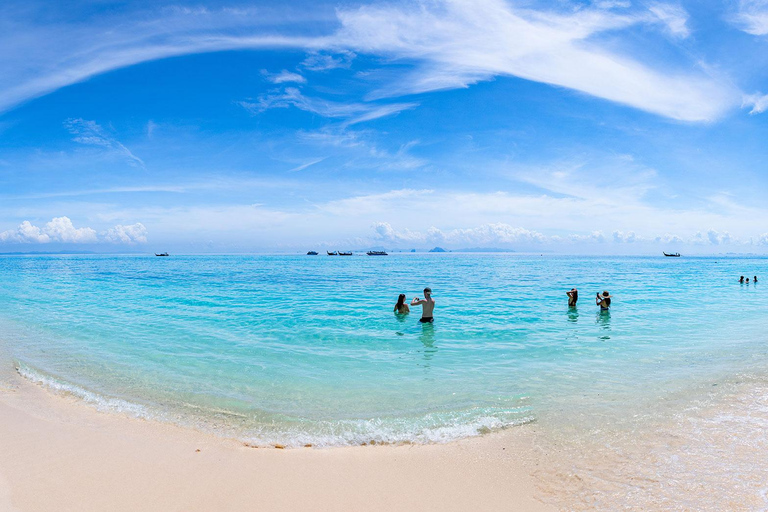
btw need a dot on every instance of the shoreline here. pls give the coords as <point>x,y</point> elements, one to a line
<point>61,454</point>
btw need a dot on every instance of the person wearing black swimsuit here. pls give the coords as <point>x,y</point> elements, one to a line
<point>604,301</point>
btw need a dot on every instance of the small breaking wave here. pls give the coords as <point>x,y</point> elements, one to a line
<point>265,429</point>
<point>100,402</point>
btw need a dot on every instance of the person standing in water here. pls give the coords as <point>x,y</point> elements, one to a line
<point>754,280</point>
<point>573,296</point>
<point>741,279</point>
<point>604,301</point>
<point>401,308</point>
<point>427,306</point>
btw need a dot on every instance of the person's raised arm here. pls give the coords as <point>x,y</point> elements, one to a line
<point>417,301</point>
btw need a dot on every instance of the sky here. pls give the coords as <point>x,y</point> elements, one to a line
<point>605,127</point>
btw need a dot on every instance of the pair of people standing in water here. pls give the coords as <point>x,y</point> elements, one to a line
<point>604,300</point>
<point>427,306</point>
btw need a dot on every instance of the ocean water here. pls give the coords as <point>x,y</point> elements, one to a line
<point>296,350</point>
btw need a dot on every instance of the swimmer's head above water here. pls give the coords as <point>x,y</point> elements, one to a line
<point>604,301</point>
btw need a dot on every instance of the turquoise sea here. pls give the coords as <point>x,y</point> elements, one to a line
<point>296,349</point>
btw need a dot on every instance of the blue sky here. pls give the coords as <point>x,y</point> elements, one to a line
<point>585,127</point>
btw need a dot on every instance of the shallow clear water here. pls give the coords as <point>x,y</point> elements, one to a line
<point>306,349</point>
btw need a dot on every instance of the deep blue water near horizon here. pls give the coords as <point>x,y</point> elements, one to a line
<point>306,350</point>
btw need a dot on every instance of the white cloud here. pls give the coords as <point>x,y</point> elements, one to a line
<point>61,229</point>
<point>305,165</point>
<point>26,232</point>
<point>38,58</point>
<point>484,236</point>
<point>353,112</point>
<point>454,43</point>
<point>752,17</point>
<point>505,235</point>
<point>758,102</point>
<point>594,237</point>
<point>132,234</point>
<point>284,76</point>
<point>460,42</point>
<point>363,152</point>
<point>319,61</point>
<point>624,238</point>
<point>92,134</point>
<point>613,4</point>
<point>669,239</point>
<point>674,17</point>
<point>716,238</point>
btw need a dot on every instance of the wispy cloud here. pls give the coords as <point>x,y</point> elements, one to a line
<point>451,43</point>
<point>38,56</point>
<point>306,165</point>
<point>459,43</point>
<point>353,112</point>
<point>752,17</point>
<point>92,134</point>
<point>323,61</point>
<point>674,17</point>
<point>361,149</point>
<point>283,77</point>
<point>758,102</point>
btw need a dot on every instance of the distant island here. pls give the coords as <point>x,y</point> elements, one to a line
<point>438,249</point>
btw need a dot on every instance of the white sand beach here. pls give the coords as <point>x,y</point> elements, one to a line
<point>59,454</point>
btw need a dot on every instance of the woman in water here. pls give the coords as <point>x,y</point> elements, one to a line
<point>604,301</point>
<point>573,296</point>
<point>401,307</point>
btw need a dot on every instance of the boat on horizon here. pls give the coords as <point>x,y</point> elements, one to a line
<point>334,253</point>
<point>345,253</point>
<point>162,254</point>
<point>312,253</point>
<point>672,255</point>
<point>377,253</point>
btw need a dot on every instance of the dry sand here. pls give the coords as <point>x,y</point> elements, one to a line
<point>61,455</point>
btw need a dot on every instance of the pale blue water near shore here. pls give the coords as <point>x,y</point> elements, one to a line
<point>306,350</point>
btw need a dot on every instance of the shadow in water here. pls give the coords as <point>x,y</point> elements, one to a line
<point>427,338</point>
<point>573,314</point>
<point>401,319</point>
<point>603,321</point>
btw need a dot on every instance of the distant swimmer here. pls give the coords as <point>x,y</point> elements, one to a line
<point>604,301</point>
<point>401,307</point>
<point>427,305</point>
<point>754,280</point>
<point>573,296</point>
<point>747,280</point>
<point>741,279</point>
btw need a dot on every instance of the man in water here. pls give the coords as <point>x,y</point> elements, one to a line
<point>755,279</point>
<point>427,305</point>
<point>741,279</point>
<point>573,296</point>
